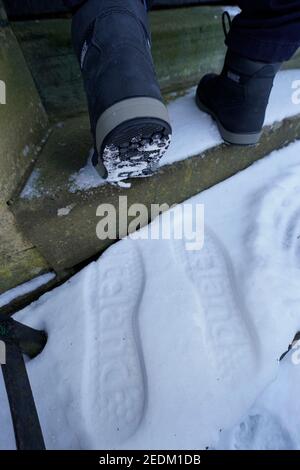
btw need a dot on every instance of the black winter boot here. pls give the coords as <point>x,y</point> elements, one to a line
<point>237,98</point>
<point>129,121</point>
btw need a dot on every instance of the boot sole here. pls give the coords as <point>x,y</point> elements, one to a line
<point>229,137</point>
<point>131,138</point>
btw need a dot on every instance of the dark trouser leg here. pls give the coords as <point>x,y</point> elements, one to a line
<point>266,30</point>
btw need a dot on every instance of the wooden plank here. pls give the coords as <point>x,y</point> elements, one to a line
<point>21,8</point>
<point>187,43</point>
<point>67,238</point>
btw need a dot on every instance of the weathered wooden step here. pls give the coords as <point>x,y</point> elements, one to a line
<point>21,8</point>
<point>23,127</point>
<point>186,43</point>
<point>57,209</point>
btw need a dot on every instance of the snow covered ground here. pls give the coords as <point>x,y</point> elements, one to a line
<point>25,288</point>
<point>193,131</point>
<point>157,346</point>
<point>273,421</point>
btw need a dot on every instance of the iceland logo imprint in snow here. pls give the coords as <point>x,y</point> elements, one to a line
<point>2,92</point>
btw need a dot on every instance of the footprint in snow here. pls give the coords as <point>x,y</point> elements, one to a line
<point>114,370</point>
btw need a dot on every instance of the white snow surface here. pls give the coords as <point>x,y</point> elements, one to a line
<point>25,288</point>
<point>31,189</point>
<point>154,346</point>
<point>195,131</point>
<point>273,421</point>
<point>86,178</point>
<point>233,11</point>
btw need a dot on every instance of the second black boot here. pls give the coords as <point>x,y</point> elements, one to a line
<point>129,120</point>
<point>237,98</point>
